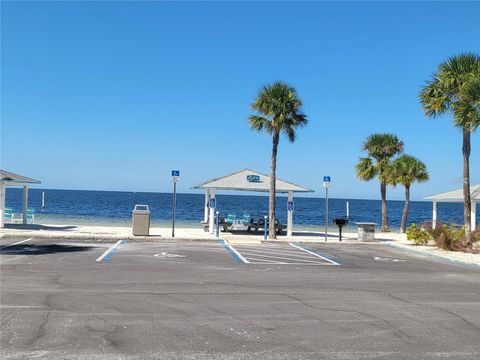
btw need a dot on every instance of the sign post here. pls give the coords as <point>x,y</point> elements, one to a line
<point>175,176</point>
<point>326,185</point>
<point>217,220</point>
<point>212,204</point>
<point>265,227</point>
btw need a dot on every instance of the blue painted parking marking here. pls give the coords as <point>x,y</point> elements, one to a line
<point>233,253</point>
<point>107,255</point>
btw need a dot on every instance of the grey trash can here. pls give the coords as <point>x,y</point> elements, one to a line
<point>141,220</point>
<point>366,231</point>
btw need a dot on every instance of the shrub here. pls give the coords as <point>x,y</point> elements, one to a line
<point>417,235</point>
<point>449,239</point>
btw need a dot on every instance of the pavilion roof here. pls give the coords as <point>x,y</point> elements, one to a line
<point>10,178</point>
<point>250,180</point>
<point>456,195</point>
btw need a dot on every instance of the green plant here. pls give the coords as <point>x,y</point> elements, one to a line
<point>406,170</point>
<point>449,239</point>
<point>380,149</point>
<point>418,235</point>
<point>455,89</point>
<point>279,110</point>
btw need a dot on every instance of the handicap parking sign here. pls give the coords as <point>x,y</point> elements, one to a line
<point>290,205</point>
<point>212,203</point>
<point>326,179</point>
<point>176,173</point>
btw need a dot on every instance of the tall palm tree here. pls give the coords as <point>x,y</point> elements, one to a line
<point>381,148</point>
<point>406,170</point>
<point>455,89</point>
<point>278,109</point>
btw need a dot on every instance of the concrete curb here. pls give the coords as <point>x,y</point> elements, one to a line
<point>101,237</point>
<point>416,250</point>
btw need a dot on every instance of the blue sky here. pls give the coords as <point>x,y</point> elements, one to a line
<point>112,96</point>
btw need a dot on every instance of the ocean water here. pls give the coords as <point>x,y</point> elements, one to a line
<point>115,208</point>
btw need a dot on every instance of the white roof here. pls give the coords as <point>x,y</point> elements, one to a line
<point>249,180</point>
<point>456,195</point>
<point>12,179</point>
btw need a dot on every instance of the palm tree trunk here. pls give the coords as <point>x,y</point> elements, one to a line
<point>271,201</point>
<point>467,203</point>
<point>403,226</point>
<point>383,191</point>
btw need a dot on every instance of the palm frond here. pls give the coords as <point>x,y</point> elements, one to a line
<point>279,104</point>
<point>365,169</point>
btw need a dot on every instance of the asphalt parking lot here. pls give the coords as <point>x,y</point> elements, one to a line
<point>206,300</point>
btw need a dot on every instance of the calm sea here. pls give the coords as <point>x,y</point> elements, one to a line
<point>114,208</point>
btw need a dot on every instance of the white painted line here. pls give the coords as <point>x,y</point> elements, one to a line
<point>20,306</point>
<point>294,253</point>
<point>18,242</point>
<point>296,264</point>
<point>314,254</point>
<point>237,253</point>
<point>109,250</point>
<point>263,261</point>
<point>249,255</point>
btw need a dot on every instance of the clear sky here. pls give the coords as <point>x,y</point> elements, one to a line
<point>113,96</point>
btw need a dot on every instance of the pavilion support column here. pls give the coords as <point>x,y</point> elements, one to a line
<point>2,205</point>
<point>434,215</point>
<point>290,216</point>
<point>25,203</point>
<point>205,216</point>
<point>474,215</point>
<point>211,220</point>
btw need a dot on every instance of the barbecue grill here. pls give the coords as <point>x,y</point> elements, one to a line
<point>340,222</point>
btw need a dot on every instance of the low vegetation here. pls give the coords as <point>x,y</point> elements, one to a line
<point>444,236</point>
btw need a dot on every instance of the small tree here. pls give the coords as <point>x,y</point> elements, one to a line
<point>279,109</point>
<point>406,170</point>
<point>381,148</point>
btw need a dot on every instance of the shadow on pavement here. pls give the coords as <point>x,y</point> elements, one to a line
<point>30,249</point>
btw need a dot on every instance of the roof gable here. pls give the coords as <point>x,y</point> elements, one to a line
<point>250,180</point>
<point>9,177</point>
<point>456,195</point>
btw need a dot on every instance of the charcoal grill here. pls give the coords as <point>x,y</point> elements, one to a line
<point>340,222</point>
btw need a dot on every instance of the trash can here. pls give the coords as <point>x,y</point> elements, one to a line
<point>141,220</point>
<point>366,231</point>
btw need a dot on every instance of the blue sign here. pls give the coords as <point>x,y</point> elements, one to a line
<point>326,179</point>
<point>253,178</point>
<point>176,173</point>
<point>212,203</point>
<point>290,205</point>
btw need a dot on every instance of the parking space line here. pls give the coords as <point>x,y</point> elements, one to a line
<point>294,253</point>
<point>110,251</point>
<point>314,253</point>
<point>293,258</point>
<point>16,243</point>
<point>233,252</point>
<point>263,261</point>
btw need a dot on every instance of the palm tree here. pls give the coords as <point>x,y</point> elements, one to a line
<point>279,111</point>
<point>406,170</point>
<point>455,89</point>
<point>381,148</point>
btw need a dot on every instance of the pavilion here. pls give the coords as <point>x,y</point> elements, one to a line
<point>12,179</point>
<point>248,180</point>
<point>456,196</point>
